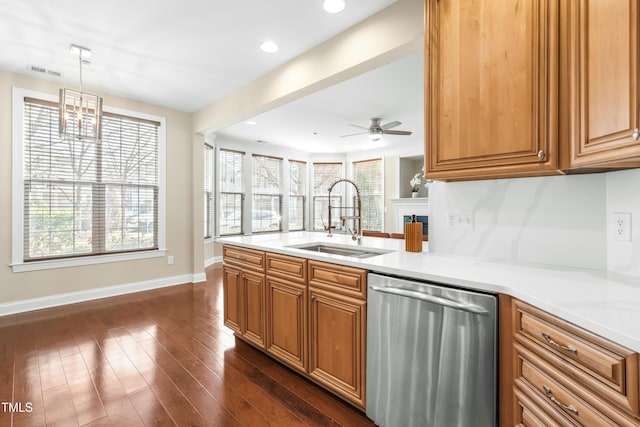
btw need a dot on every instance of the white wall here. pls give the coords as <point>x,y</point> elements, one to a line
<point>552,220</point>
<point>623,195</point>
<point>86,281</point>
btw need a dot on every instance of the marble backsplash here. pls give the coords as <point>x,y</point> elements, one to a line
<point>560,220</point>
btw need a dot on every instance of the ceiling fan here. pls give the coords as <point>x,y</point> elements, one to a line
<point>376,130</point>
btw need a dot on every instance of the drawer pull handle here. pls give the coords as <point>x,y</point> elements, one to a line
<point>549,394</point>
<point>568,348</point>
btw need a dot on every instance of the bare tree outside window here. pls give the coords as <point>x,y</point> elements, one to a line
<point>297,194</point>
<point>266,214</point>
<point>368,175</point>
<point>86,197</point>
<point>231,191</point>
<point>323,176</point>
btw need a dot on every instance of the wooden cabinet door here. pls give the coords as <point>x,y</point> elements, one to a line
<point>254,308</point>
<point>232,288</point>
<point>603,94</point>
<point>491,88</point>
<point>337,344</point>
<point>287,322</point>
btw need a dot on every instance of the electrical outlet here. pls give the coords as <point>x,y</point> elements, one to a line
<point>170,259</point>
<point>621,222</point>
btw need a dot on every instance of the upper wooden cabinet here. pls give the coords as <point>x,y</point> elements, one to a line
<point>530,88</point>
<point>491,91</point>
<point>600,48</point>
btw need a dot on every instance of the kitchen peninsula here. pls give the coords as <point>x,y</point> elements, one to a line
<point>595,311</point>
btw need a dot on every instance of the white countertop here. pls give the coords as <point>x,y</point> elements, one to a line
<point>607,304</point>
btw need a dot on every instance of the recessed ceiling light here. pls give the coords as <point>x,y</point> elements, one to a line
<point>251,123</point>
<point>333,6</point>
<point>269,47</point>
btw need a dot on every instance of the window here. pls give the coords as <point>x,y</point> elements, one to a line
<point>297,192</point>
<point>368,175</point>
<point>208,191</point>
<point>267,196</point>
<point>83,198</point>
<point>323,175</point>
<point>231,195</point>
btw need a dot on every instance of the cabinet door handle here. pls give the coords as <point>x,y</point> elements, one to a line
<point>635,135</point>
<point>541,155</point>
<point>549,394</point>
<point>568,348</point>
<point>313,297</point>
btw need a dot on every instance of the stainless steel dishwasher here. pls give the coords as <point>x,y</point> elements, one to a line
<point>431,355</point>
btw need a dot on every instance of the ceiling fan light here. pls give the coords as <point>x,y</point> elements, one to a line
<point>333,6</point>
<point>375,135</point>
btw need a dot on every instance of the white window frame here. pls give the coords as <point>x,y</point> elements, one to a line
<point>17,258</point>
<point>212,169</point>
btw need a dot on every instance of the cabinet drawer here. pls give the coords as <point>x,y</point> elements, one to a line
<point>244,257</point>
<point>604,360</point>
<point>338,278</point>
<point>529,412</point>
<point>558,396</point>
<point>287,267</point>
<point>561,392</point>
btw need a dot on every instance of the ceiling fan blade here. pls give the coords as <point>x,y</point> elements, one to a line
<point>391,125</point>
<point>360,127</point>
<point>396,132</point>
<point>354,134</point>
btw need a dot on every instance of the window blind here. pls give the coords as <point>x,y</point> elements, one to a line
<point>323,176</point>
<point>88,198</point>
<point>297,192</point>
<point>208,191</point>
<point>231,191</point>
<point>368,175</point>
<point>267,194</point>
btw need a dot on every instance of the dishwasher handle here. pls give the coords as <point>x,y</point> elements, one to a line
<point>470,308</point>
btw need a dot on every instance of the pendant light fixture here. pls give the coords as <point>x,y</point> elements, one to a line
<point>80,113</point>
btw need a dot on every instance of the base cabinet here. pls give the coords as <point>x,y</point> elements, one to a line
<point>287,322</point>
<point>254,309</point>
<point>244,305</point>
<point>337,343</point>
<point>565,375</point>
<point>310,315</point>
<point>232,288</point>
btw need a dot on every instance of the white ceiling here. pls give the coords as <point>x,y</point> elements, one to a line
<point>317,122</point>
<point>185,55</point>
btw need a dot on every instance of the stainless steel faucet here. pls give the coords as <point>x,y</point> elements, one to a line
<point>357,210</point>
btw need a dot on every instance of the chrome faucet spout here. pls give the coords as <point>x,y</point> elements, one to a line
<point>356,234</point>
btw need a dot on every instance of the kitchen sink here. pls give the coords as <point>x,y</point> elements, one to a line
<point>349,251</point>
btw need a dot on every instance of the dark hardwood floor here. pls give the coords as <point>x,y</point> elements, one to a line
<point>160,357</point>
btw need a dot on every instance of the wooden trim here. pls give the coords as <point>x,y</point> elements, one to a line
<point>232,151</point>
<point>506,414</point>
<point>297,161</point>
<point>328,163</point>
<point>367,161</point>
<point>267,157</point>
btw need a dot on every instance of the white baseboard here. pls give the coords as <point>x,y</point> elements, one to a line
<point>92,294</point>
<point>200,277</point>
<point>212,261</point>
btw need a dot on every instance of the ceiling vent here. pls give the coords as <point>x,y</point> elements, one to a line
<point>41,70</point>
